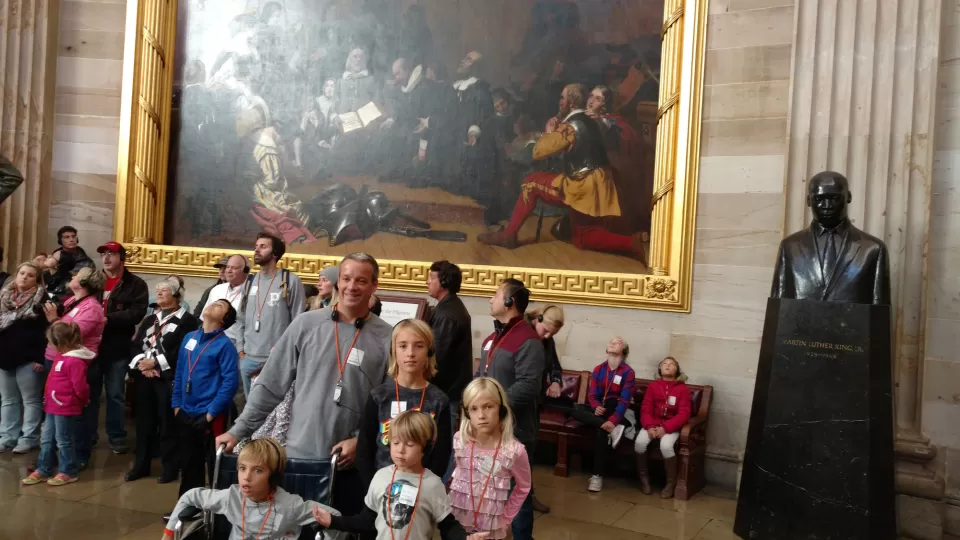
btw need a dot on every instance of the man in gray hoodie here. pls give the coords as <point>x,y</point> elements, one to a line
<point>335,356</point>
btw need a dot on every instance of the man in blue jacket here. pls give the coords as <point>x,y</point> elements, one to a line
<point>204,385</point>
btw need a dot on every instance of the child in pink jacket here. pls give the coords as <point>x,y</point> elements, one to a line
<point>65,396</point>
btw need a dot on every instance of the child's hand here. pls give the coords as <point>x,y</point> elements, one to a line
<point>322,516</point>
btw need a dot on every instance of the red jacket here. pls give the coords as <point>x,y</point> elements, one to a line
<point>657,409</point>
<point>67,391</point>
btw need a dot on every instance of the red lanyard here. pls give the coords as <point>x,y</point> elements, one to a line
<point>158,326</point>
<point>416,503</point>
<point>423,395</point>
<point>666,401</point>
<point>199,356</point>
<point>343,364</point>
<point>473,500</point>
<point>260,305</point>
<point>243,517</point>
<point>609,380</point>
<point>230,297</point>
<point>495,348</point>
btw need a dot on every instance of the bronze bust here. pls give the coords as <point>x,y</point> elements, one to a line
<point>831,260</point>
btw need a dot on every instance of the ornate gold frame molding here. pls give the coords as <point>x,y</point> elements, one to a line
<point>144,149</point>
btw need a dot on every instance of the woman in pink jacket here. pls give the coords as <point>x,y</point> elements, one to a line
<point>66,394</point>
<point>82,309</point>
<point>665,409</point>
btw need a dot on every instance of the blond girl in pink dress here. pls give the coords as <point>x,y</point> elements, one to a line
<point>488,459</point>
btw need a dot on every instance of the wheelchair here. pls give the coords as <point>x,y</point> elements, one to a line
<point>311,479</point>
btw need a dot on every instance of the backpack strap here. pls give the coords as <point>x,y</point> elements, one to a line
<point>246,293</point>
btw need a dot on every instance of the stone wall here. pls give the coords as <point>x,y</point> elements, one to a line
<point>941,366</point>
<point>87,122</point>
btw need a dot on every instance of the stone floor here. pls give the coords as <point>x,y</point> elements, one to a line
<point>101,506</point>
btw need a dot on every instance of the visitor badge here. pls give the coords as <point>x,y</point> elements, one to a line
<point>253,290</point>
<point>73,312</point>
<point>617,379</point>
<point>397,407</point>
<point>355,357</point>
<point>672,400</point>
<point>191,345</point>
<point>408,495</point>
<point>59,366</point>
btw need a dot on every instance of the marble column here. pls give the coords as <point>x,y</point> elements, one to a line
<point>863,104</point>
<point>28,52</point>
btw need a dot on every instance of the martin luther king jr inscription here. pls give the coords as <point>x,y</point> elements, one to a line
<point>819,455</point>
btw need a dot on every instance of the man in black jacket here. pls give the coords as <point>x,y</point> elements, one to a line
<point>125,298</point>
<point>452,336</point>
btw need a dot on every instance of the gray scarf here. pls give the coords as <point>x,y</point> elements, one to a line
<point>10,311</point>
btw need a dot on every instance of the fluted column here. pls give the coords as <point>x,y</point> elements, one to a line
<point>863,103</point>
<point>28,50</point>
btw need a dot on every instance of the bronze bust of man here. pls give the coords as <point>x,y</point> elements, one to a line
<point>831,260</point>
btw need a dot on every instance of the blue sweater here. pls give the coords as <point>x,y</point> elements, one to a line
<point>215,376</point>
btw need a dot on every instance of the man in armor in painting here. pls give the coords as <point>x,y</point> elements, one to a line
<point>585,186</point>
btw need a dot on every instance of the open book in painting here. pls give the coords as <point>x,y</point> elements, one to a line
<point>362,118</point>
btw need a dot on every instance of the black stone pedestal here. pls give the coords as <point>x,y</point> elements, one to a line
<point>819,457</point>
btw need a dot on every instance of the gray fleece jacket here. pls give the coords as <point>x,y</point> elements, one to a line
<point>305,356</point>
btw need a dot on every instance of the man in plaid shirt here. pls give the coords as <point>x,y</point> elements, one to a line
<point>609,394</point>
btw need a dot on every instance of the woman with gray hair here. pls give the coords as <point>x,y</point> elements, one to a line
<point>155,350</point>
<point>328,285</point>
<point>22,341</point>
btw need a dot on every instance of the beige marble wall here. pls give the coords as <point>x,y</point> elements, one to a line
<point>87,123</point>
<point>941,366</point>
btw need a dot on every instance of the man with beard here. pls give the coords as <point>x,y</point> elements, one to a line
<point>628,160</point>
<point>473,163</point>
<point>411,132</point>
<point>585,186</point>
<point>271,300</point>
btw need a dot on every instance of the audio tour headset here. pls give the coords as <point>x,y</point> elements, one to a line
<point>276,476</point>
<point>500,396</point>
<point>335,316</point>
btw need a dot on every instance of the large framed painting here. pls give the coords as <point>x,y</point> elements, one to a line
<point>556,141</point>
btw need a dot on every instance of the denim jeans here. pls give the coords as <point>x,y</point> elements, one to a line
<point>249,364</point>
<point>454,408</point>
<point>112,376</point>
<point>523,524</point>
<point>59,429</point>
<point>25,386</point>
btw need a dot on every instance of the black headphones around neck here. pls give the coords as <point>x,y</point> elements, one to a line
<point>503,405</point>
<point>335,317</point>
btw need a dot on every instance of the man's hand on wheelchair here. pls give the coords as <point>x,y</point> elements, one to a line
<point>322,517</point>
<point>226,440</point>
<point>348,451</point>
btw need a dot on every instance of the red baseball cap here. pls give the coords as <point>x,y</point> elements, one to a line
<point>112,247</point>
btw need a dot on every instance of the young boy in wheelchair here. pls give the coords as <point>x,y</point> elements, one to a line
<point>257,506</point>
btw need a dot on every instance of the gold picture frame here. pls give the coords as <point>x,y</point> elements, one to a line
<point>148,76</point>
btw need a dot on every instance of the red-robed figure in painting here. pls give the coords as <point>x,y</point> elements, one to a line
<point>586,186</point>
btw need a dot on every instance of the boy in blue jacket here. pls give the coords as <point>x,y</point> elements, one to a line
<point>204,385</point>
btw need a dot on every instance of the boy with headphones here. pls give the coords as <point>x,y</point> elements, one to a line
<point>513,355</point>
<point>256,506</point>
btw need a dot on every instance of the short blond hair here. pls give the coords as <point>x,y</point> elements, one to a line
<point>421,330</point>
<point>552,315</point>
<point>415,427</point>
<point>265,452</point>
<point>489,388</point>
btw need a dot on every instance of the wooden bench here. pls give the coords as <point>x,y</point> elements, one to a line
<point>567,433</point>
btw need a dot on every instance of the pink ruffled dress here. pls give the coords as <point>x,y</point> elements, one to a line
<point>498,506</point>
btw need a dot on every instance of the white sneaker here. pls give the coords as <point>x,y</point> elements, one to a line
<point>617,435</point>
<point>595,484</point>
